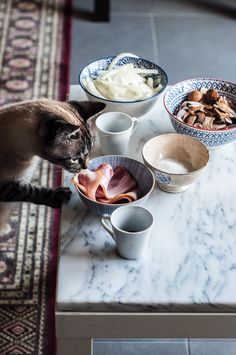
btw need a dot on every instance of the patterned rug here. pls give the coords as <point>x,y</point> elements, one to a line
<point>34,55</point>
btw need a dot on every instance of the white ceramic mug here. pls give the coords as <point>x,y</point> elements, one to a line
<point>131,229</point>
<point>114,132</point>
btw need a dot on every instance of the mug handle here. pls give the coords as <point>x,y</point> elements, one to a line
<point>107,217</point>
<point>135,122</point>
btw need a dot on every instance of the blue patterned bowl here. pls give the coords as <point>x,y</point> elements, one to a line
<point>179,92</point>
<point>141,173</point>
<point>132,108</point>
<point>176,160</point>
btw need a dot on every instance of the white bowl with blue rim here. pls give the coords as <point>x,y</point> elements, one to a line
<point>137,169</point>
<point>179,92</point>
<point>133,108</point>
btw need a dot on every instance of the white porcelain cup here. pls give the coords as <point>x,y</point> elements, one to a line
<point>131,228</point>
<point>114,132</point>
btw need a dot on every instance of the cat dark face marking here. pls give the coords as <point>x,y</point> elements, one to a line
<point>65,144</point>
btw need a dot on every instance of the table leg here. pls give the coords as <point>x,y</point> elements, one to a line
<point>74,346</point>
<point>102,10</point>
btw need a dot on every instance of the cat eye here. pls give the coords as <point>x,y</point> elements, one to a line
<point>74,135</point>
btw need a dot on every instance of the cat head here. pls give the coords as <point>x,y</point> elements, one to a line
<point>66,135</point>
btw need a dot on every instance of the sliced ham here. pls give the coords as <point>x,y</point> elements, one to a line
<point>121,198</point>
<point>107,186</point>
<point>88,181</point>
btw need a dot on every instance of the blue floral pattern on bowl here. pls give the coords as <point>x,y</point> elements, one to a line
<point>136,108</point>
<point>95,67</point>
<point>163,178</point>
<point>178,93</point>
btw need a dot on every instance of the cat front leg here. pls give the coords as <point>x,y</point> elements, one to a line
<point>59,196</point>
<point>5,213</point>
<point>13,191</point>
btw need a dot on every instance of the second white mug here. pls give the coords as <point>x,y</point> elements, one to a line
<point>114,132</point>
<point>130,228</point>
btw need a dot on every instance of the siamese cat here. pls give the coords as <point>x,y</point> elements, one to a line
<point>59,132</point>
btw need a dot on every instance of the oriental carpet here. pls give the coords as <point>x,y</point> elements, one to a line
<point>34,57</point>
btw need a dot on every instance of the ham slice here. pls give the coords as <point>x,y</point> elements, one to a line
<point>107,186</point>
<point>88,181</point>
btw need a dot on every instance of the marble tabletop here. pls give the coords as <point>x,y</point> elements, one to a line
<point>190,263</point>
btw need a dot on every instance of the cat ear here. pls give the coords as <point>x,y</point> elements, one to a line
<point>88,109</point>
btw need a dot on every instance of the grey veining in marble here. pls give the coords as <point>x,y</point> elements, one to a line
<point>190,264</point>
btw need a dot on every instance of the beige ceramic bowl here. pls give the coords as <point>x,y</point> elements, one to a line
<point>177,160</point>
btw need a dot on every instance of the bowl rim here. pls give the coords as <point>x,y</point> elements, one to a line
<point>187,137</point>
<point>124,102</point>
<point>136,206</point>
<point>186,124</point>
<point>121,204</point>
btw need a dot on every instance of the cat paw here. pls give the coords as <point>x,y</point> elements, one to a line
<point>60,195</point>
<point>5,229</point>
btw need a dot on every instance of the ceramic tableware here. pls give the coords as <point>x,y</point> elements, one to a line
<point>131,227</point>
<point>178,93</point>
<point>138,170</point>
<point>176,160</point>
<point>133,108</point>
<point>114,132</point>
